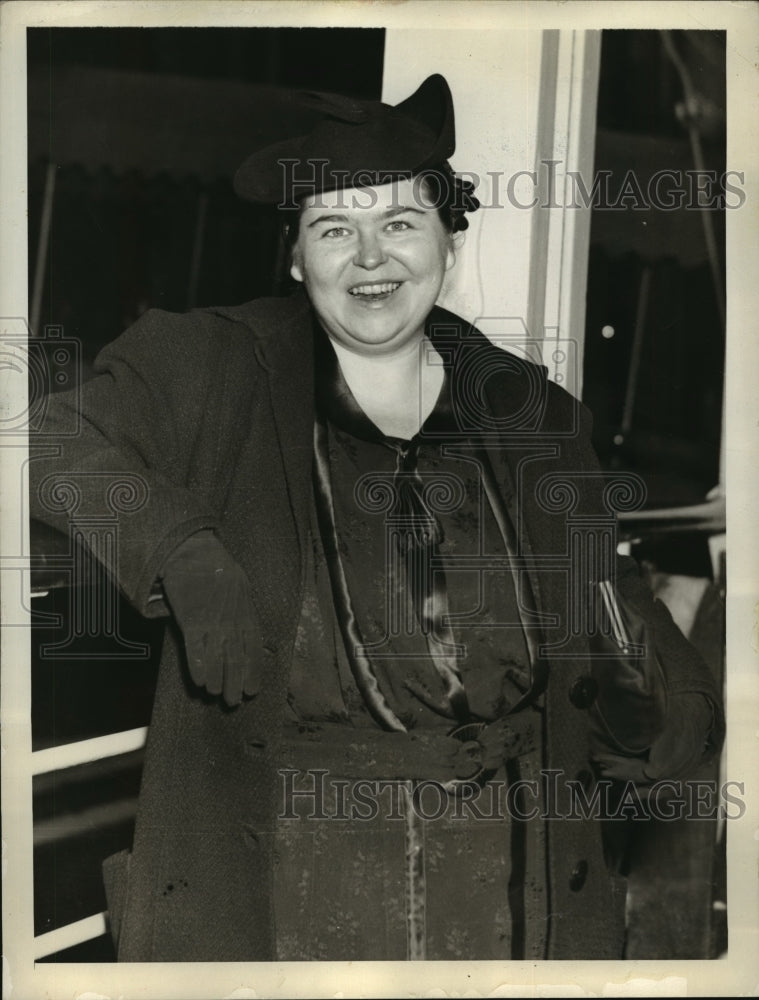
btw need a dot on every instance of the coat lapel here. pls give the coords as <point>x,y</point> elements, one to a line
<point>268,522</point>
<point>512,396</point>
<point>506,397</point>
<point>289,360</point>
<point>284,348</point>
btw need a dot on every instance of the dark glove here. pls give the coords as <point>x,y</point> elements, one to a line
<point>675,753</point>
<point>209,596</point>
<point>630,708</point>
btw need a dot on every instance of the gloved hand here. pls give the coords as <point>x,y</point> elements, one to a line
<point>630,708</point>
<point>675,753</point>
<point>209,596</point>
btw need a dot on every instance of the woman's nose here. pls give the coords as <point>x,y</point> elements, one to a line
<point>369,252</point>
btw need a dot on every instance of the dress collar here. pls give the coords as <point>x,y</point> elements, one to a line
<point>336,402</point>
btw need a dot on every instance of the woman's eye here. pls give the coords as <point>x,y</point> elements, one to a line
<point>398,226</point>
<point>335,232</point>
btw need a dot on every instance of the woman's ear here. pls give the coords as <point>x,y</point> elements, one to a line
<point>295,268</point>
<point>455,243</point>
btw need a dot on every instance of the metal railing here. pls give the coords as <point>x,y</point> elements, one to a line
<point>59,759</point>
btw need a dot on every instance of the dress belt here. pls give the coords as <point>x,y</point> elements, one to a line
<point>473,752</point>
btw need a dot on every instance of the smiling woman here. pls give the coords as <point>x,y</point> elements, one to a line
<point>381,730</point>
<point>373,272</point>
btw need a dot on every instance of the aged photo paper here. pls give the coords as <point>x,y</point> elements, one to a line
<point>538,273</point>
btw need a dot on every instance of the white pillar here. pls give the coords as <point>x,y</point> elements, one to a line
<point>561,233</point>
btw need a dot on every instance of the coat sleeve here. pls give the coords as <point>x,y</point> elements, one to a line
<point>684,669</point>
<point>120,446</point>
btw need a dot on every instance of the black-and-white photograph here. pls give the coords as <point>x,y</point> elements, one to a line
<point>369,594</point>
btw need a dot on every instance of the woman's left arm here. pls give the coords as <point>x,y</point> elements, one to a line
<point>693,725</point>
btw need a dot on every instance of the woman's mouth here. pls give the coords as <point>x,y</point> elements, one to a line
<point>374,291</point>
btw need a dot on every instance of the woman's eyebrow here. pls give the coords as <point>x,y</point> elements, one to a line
<point>389,214</point>
<point>327,218</point>
<point>401,209</point>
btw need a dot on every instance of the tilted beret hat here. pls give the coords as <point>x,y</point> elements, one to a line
<point>354,143</point>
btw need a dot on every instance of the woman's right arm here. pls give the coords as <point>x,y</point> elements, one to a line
<point>120,447</point>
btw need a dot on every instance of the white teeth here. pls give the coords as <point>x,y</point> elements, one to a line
<point>388,286</point>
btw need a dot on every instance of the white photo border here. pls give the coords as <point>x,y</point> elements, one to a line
<point>737,972</point>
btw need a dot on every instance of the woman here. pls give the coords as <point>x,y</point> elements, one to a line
<point>375,710</point>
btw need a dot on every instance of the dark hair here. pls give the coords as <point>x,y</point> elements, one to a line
<point>450,194</point>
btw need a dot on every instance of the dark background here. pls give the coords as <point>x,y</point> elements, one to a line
<point>674,438</point>
<point>146,128</point>
<point>139,131</point>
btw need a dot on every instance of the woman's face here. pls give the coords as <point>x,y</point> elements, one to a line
<point>372,261</point>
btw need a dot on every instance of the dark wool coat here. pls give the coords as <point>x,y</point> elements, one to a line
<point>214,411</point>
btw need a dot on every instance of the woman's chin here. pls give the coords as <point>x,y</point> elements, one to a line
<point>381,340</point>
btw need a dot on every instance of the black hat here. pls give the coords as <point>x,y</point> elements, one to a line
<point>354,144</point>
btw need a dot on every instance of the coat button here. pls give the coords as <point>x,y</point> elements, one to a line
<point>468,761</point>
<point>578,876</point>
<point>583,692</point>
<point>253,748</point>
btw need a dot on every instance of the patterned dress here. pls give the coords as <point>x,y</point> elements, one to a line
<point>371,867</point>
